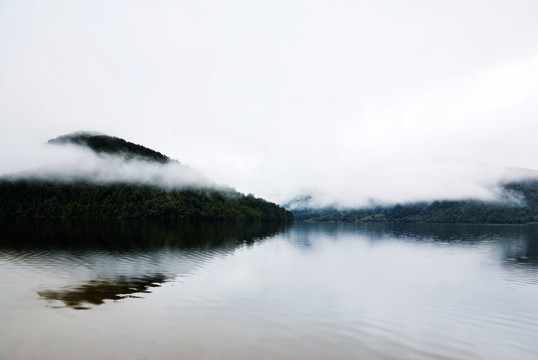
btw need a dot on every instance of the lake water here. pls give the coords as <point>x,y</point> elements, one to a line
<point>141,290</point>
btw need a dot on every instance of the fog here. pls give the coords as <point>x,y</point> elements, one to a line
<point>350,102</point>
<point>67,162</point>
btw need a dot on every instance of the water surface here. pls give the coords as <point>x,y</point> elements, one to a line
<point>116,290</point>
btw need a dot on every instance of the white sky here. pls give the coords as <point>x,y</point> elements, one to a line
<point>349,100</point>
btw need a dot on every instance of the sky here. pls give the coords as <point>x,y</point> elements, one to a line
<point>349,101</point>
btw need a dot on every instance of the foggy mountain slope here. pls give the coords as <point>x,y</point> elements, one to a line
<point>107,177</point>
<point>99,158</point>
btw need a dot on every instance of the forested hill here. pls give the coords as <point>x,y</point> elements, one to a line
<point>443,211</point>
<point>111,145</point>
<point>39,198</point>
<point>185,195</point>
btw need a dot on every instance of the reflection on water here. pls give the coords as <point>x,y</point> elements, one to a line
<point>519,244</point>
<point>96,291</point>
<point>124,258</point>
<point>129,235</point>
<point>226,291</point>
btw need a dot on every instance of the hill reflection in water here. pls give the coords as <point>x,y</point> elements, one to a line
<point>121,259</point>
<point>95,292</point>
<point>130,235</point>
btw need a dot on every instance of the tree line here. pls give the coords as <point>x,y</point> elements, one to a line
<point>39,198</point>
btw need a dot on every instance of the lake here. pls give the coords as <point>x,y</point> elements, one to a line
<point>149,290</point>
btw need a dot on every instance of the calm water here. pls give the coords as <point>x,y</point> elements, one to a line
<point>140,290</point>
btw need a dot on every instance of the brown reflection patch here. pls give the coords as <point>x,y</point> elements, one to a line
<point>95,292</point>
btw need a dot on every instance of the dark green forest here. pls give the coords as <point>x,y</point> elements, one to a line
<point>462,211</point>
<point>39,198</point>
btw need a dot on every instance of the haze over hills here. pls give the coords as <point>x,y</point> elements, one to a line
<point>109,177</point>
<point>516,203</point>
<point>97,158</point>
<point>113,178</point>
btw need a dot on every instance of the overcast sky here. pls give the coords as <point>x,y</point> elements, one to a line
<point>350,100</point>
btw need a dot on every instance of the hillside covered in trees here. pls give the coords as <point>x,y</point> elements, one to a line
<point>79,197</point>
<point>462,211</point>
<point>127,201</point>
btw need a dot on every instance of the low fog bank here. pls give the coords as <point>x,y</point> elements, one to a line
<point>461,137</point>
<point>67,162</point>
<point>410,181</point>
